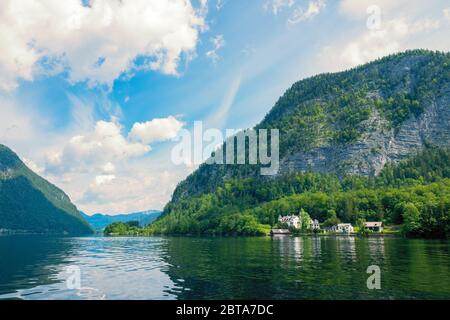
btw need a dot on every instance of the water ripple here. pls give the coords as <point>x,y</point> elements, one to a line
<point>221,268</point>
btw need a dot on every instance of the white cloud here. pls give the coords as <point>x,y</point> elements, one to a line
<point>104,143</point>
<point>277,5</point>
<point>15,124</point>
<point>313,9</point>
<point>142,184</point>
<point>372,44</point>
<point>297,12</point>
<point>104,178</point>
<point>218,42</point>
<point>95,43</point>
<point>398,30</point>
<point>156,130</point>
<point>106,170</point>
<point>358,8</point>
<point>54,159</point>
<point>106,139</point>
<point>203,10</point>
<point>109,168</point>
<point>220,4</point>
<point>446,12</point>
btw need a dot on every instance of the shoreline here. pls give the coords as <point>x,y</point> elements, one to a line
<point>385,235</point>
<point>9,232</point>
<point>353,234</point>
<point>100,235</point>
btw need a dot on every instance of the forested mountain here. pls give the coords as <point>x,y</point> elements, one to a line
<point>369,143</point>
<point>29,203</point>
<point>414,193</point>
<point>351,122</point>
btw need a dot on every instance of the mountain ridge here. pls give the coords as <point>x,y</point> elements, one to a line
<point>344,140</point>
<point>352,121</point>
<point>100,220</point>
<point>31,204</point>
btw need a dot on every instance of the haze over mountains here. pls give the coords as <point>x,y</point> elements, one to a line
<point>99,221</point>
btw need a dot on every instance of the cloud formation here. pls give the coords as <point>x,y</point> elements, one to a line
<point>358,8</point>
<point>139,186</point>
<point>446,12</point>
<point>300,14</point>
<point>104,143</point>
<point>108,170</point>
<point>156,130</point>
<point>394,31</point>
<point>277,5</point>
<point>218,42</point>
<point>96,42</point>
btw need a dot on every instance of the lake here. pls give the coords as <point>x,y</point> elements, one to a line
<point>37,267</point>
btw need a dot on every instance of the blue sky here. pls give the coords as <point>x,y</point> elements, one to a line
<point>92,93</point>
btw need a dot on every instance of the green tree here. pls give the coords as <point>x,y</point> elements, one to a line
<point>411,219</point>
<point>362,230</point>
<point>305,220</point>
<point>332,218</point>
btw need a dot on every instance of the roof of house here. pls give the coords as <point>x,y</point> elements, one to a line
<point>280,231</point>
<point>288,218</point>
<point>345,225</point>
<point>373,224</point>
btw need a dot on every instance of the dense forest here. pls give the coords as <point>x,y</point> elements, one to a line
<point>29,203</point>
<point>415,194</point>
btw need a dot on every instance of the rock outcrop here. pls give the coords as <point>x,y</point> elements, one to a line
<point>379,144</point>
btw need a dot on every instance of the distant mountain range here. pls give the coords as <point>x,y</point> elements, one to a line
<point>30,204</point>
<point>99,221</point>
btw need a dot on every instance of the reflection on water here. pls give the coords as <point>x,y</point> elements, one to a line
<point>111,268</point>
<point>35,267</point>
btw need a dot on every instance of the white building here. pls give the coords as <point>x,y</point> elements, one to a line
<point>344,228</point>
<point>292,221</point>
<point>341,228</point>
<point>374,226</point>
<point>279,232</point>
<point>314,225</point>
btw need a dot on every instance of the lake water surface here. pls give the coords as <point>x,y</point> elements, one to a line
<point>35,267</point>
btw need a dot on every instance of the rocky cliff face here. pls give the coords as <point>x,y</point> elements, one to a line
<point>352,122</point>
<point>379,143</point>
